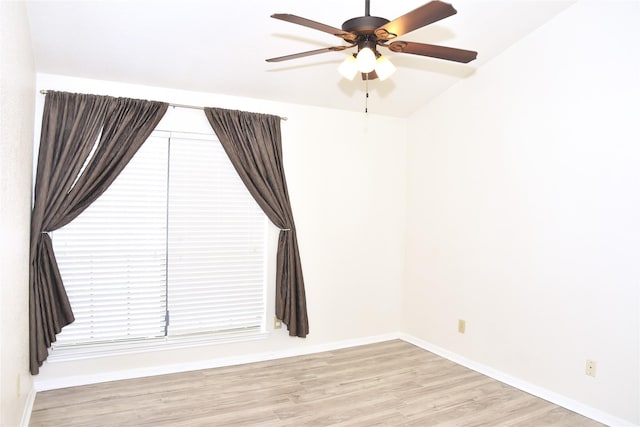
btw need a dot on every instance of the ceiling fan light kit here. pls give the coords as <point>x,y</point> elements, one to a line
<point>366,60</point>
<point>348,68</point>
<point>384,68</point>
<point>352,65</point>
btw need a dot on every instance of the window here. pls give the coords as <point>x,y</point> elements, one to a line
<point>173,250</point>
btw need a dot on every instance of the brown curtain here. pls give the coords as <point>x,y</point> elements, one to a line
<point>73,171</point>
<point>254,145</point>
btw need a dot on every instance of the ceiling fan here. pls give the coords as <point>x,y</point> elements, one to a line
<point>367,33</point>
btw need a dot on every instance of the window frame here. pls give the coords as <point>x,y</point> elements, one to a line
<point>169,342</point>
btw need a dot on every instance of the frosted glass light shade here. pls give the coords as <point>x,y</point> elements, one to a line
<point>366,60</point>
<point>348,69</point>
<point>384,68</point>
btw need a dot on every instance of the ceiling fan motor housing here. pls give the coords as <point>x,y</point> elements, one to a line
<point>364,25</point>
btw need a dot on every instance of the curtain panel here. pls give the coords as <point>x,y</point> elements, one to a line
<point>253,143</point>
<point>86,141</point>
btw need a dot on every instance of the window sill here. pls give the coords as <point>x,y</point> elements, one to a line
<point>80,352</point>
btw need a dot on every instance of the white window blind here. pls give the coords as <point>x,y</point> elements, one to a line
<point>217,238</point>
<point>174,247</point>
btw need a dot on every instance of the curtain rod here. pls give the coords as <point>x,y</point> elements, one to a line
<point>193,107</point>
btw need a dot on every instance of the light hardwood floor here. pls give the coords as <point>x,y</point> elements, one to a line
<point>387,384</point>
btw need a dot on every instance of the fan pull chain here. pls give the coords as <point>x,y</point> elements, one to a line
<point>366,97</point>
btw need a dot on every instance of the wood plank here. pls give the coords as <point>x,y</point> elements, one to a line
<point>386,384</point>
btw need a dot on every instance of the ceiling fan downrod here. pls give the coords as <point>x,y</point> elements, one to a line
<point>366,8</point>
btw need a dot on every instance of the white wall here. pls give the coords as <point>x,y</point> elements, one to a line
<point>524,204</point>
<point>17,83</point>
<point>522,218</point>
<point>346,178</point>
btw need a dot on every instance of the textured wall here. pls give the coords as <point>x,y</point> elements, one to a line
<point>17,88</point>
<point>524,206</point>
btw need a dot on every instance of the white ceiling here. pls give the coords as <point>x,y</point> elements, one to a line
<point>221,47</point>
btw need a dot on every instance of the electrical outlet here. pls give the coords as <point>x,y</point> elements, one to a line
<point>277,323</point>
<point>590,368</point>
<point>462,326</point>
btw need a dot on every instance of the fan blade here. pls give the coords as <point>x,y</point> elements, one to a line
<point>308,53</point>
<point>417,18</point>
<point>350,37</point>
<point>442,52</point>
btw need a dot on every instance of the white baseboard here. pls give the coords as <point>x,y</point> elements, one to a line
<point>28,408</point>
<point>537,391</point>
<point>532,389</point>
<point>77,380</point>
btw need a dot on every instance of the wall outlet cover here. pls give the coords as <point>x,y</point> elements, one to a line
<point>462,326</point>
